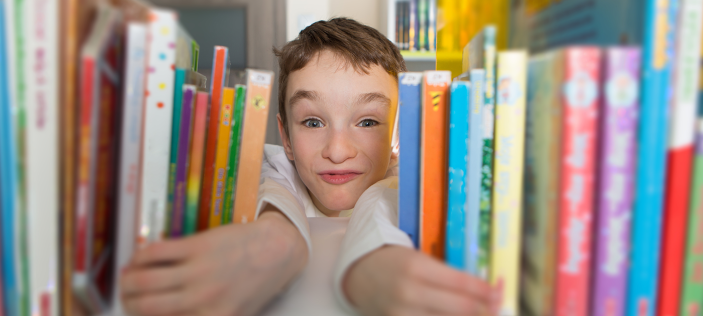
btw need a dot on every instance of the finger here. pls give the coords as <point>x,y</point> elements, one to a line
<point>443,276</point>
<point>440,301</point>
<point>162,252</point>
<point>165,303</point>
<point>153,279</point>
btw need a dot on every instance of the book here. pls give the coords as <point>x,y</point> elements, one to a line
<point>409,122</point>
<point>616,179</point>
<point>474,166</point>
<point>413,32</point>
<point>179,199</point>
<point>481,53</point>
<point>541,212</point>
<point>158,115</point>
<point>195,167</point>
<point>233,161</point>
<point>220,69</point>
<point>100,57</point>
<point>256,108</point>
<point>651,157</point>
<point>580,93</point>
<point>692,294</point>
<point>508,169</point>
<point>422,10</point>
<point>223,145</point>
<point>433,162</point>
<point>679,168</point>
<point>456,241</point>
<point>129,153</point>
<point>187,50</point>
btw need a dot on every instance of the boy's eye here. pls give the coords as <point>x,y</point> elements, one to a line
<point>312,123</point>
<point>367,123</point>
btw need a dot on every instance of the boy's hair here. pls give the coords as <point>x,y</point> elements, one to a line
<point>360,46</point>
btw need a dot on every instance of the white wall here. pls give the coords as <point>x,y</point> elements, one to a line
<point>312,10</point>
<point>364,11</point>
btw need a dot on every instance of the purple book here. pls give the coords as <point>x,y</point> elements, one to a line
<point>179,197</point>
<point>616,180</point>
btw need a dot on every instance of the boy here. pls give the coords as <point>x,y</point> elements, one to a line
<point>338,94</point>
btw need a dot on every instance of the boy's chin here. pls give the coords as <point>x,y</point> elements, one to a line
<point>338,204</point>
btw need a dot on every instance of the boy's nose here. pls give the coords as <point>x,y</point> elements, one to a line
<point>339,147</point>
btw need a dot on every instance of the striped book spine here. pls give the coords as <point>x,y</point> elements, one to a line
<point>473,177</point>
<point>179,196</point>
<point>409,120</point>
<point>195,167</point>
<point>240,97</point>
<point>223,145</point>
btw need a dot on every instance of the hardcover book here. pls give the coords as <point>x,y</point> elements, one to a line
<point>223,146</point>
<point>195,167</point>
<point>692,295</point>
<point>473,177</point>
<point>236,133</point>
<point>409,122</point>
<point>179,196</point>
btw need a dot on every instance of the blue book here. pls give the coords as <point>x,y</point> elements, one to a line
<point>457,206</point>
<point>409,120</point>
<point>474,166</point>
<point>651,157</point>
<point>8,190</point>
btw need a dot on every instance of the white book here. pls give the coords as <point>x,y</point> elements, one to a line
<point>130,152</point>
<point>158,109</point>
<point>40,66</point>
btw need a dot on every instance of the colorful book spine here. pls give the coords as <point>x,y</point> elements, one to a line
<point>474,166</point>
<point>507,189</point>
<point>692,296</point>
<point>195,167</point>
<point>220,62</point>
<point>223,145</point>
<point>409,122</point>
<point>180,78</point>
<point>240,97</point>
<point>413,25</point>
<point>680,155</point>
<point>658,33</point>
<point>619,118</point>
<point>256,110</point>
<point>433,163</point>
<point>179,197</point>
<point>158,111</point>
<point>422,22</point>
<point>432,25</point>
<point>130,152</point>
<point>458,154</point>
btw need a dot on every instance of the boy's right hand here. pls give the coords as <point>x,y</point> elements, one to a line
<point>395,280</point>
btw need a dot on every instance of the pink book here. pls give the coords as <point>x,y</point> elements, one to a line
<point>576,203</point>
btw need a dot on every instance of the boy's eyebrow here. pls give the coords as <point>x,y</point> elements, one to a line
<point>303,94</point>
<point>373,97</point>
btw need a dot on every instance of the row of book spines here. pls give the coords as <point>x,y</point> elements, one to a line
<point>413,25</point>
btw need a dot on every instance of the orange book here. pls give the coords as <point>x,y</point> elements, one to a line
<point>223,140</point>
<point>219,73</point>
<point>433,165</point>
<point>256,109</point>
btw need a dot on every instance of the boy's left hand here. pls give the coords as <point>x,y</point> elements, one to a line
<point>231,270</point>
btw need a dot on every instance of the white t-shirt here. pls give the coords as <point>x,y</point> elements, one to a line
<point>373,222</point>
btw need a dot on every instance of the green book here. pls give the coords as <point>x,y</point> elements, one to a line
<point>692,298</point>
<point>236,132</point>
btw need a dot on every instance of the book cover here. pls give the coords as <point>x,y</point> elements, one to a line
<point>474,166</point>
<point>158,115</point>
<point>541,183</point>
<point>129,153</point>
<point>508,170</point>
<point>195,167</point>
<point>680,154</point>
<point>236,133</point>
<point>433,162</point>
<point>180,78</point>
<point>409,124</point>
<point>457,242</point>
<point>220,68</point>
<point>658,34</point>
<point>692,295</point>
<point>179,199</point>
<point>223,145</point>
<point>482,55</point>
<point>256,110</point>
<point>579,98</point>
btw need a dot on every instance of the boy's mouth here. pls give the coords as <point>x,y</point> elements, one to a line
<point>338,176</point>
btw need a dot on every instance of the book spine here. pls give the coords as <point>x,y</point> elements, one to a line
<point>223,145</point>
<point>409,123</point>
<point>180,78</point>
<point>473,177</point>
<point>432,25</point>
<point>692,296</point>
<point>433,165</point>
<point>256,109</point>
<point>619,113</point>
<point>507,189</point>
<point>218,82</point>
<point>130,153</point>
<point>680,155</point>
<point>413,25</point>
<point>658,33</point>
<point>487,163</point>
<point>422,22</point>
<point>458,153</point>
<point>195,167</point>
<point>397,24</point>
<point>158,115</point>
<point>179,197</point>
<point>240,97</point>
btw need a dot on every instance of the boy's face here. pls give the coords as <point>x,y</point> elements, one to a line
<point>340,123</point>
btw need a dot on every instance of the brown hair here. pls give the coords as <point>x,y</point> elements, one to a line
<point>359,45</point>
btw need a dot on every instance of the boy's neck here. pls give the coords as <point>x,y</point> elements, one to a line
<point>322,208</point>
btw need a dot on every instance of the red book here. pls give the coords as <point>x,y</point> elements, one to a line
<point>580,95</point>
<point>219,74</point>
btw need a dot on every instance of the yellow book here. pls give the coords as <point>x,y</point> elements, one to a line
<point>508,172</point>
<point>223,139</point>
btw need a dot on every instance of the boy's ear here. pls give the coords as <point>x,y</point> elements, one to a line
<point>284,138</point>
